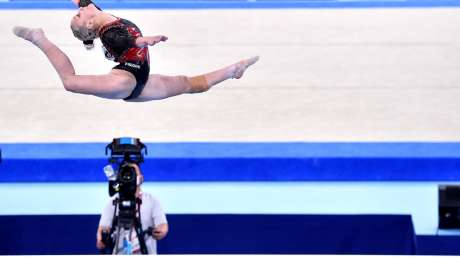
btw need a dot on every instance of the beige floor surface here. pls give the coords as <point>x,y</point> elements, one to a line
<point>324,75</point>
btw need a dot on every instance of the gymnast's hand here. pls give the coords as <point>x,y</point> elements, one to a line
<point>150,41</point>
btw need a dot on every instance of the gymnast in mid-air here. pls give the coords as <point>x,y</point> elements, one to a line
<point>123,43</point>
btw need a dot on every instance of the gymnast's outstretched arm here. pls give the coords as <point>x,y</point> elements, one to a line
<point>150,40</point>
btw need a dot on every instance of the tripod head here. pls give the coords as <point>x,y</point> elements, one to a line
<point>126,149</point>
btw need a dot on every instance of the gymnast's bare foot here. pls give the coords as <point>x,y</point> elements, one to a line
<point>32,35</point>
<point>239,68</point>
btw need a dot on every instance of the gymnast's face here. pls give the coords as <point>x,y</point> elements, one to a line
<point>84,16</point>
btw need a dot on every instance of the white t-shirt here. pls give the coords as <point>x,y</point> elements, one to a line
<point>152,215</point>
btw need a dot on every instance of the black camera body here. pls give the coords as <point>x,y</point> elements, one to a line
<point>127,201</point>
<point>123,153</point>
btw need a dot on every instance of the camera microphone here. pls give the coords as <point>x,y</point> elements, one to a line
<point>114,186</point>
<point>110,173</point>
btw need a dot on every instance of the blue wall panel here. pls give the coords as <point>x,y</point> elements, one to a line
<point>222,234</point>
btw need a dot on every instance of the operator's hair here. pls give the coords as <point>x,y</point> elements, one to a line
<point>82,33</point>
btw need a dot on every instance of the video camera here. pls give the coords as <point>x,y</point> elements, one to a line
<point>124,152</point>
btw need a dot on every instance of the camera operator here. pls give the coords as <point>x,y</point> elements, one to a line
<point>153,221</point>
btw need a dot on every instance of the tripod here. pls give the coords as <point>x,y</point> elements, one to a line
<point>128,221</point>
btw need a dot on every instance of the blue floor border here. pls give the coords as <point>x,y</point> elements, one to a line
<point>218,162</point>
<point>217,4</point>
<point>158,150</point>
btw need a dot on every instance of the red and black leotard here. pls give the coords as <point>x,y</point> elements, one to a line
<point>118,39</point>
<point>119,44</point>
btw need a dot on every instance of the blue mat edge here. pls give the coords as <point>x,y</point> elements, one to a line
<point>209,4</point>
<point>239,162</point>
<point>96,150</point>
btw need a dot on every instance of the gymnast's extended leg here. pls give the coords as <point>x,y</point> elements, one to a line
<point>162,86</point>
<point>115,85</point>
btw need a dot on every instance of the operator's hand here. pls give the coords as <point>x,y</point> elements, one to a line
<point>99,243</point>
<point>160,231</point>
<point>150,40</point>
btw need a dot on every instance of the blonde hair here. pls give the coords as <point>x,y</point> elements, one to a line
<point>83,33</point>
